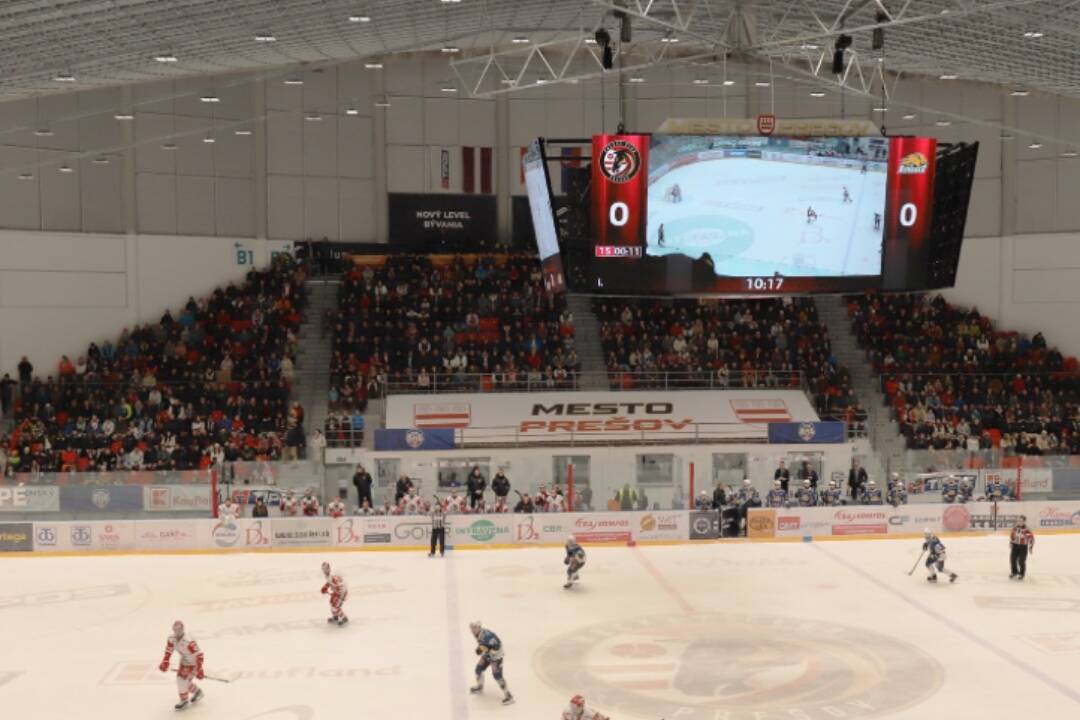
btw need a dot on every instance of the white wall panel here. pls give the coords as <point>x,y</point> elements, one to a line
<point>321,208</point>
<point>234,207</point>
<point>193,156</point>
<point>102,200</point>
<point>1036,197</point>
<point>18,120</point>
<point>356,210</point>
<point>151,131</point>
<point>320,90</point>
<point>405,121</point>
<point>39,289</point>
<point>20,199</point>
<point>984,209</point>
<point>354,147</point>
<point>284,143</point>
<point>1067,186</point>
<point>61,252</point>
<point>406,168</point>
<point>233,155</point>
<point>442,124</point>
<point>60,203</point>
<point>477,123</point>
<point>354,86</point>
<point>189,92</point>
<point>156,203</point>
<point>285,207</point>
<point>194,205</point>
<point>320,147</point>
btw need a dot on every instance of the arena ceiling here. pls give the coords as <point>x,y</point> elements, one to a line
<point>505,45</point>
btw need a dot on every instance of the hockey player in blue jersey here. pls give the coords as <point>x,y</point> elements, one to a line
<point>872,494</point>
<point>950,489</point>
<point>574,561</point>
<point>965,489</point>
<point>897,495</point>
<point>935,559</point>
<point>997,490</point>
<point>832,496</point>
<point>777,497</point>
<point>806,496</point>
<point>490,650</point>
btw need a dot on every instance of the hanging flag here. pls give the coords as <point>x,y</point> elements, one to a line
<point>486,171</point>
<point>477,170</point>
<point>444,168</point>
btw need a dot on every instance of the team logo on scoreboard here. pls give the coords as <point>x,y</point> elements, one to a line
<point>913,164</point>
<point>766,124</point>
<point>620,161</point>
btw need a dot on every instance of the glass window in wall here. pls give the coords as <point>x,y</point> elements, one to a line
<point>387,471</point>
<point>807,466</point>
<point>583,499</point>
<point>727,469</point>
<point>453,472</point>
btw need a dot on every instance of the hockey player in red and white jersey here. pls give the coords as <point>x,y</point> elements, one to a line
<point>556,501</point>
<point>455,504</point>
<point>309,504</point>
<point>579,711</point>
<point>338,591</point>
<point>289,506</point>
<point>540,499</point>
<point>413,503</point>
<point>191,663</point>
<point>336,508</point>
<point>229,510</point>
<point>500,506</point>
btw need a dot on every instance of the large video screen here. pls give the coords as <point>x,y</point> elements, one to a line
<point>543,216</point>
<point>755,207</point>
<point>692,214</point>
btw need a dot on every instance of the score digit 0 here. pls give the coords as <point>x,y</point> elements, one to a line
<point>909,212</point>
<point>618,214</point>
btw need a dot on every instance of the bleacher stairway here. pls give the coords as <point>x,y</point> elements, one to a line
<point>884,432</point>
<point>312,383</point>
<point>590,351</point>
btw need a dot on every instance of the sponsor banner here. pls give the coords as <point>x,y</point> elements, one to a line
<point>760,523</point>
<point>16,537</point>
<point>1050,514</point>
<point>78,536</point>
<point>29,499</point>
<point>349,531</point>
<point>479,529</point>
<point>544,417</point>
<point>407,530</point>
<point>173,498</point>
<point>168,534</point>
<point>441,220</point>
<point>657,525</point>
<point>1036,480</point>
<point>542,528</point>
<point>102,498</point>
<point>806,432</point>
<point>603,527</point>
<point>908,519</point>
<point>415,439</point>
<point>290,532</point>
<point>704,525</point>
<point>239,534</point>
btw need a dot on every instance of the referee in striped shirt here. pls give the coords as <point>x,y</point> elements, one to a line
<point>438,527</point>
<point>1021,542</point>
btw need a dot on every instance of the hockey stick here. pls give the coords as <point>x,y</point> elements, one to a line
<point>209,677</point>
<point>912,570</point>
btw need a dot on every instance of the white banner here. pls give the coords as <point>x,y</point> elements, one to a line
<point>603,527</point>
<point>301,531</point>
<point>168,534</point>
<point>172,498</point>
<point>479,529</point>
<point>542,528</point>
<point>240,534</point>
<point>1036,480</point>
<point>29,499</point>
<point>537,417</point>
<point>657,525</point>
<point>77,536</point>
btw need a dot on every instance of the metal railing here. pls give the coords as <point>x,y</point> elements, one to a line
<point>615,380</point>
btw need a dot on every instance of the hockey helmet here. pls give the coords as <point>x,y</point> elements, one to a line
<point>577,702</point>
<point>776,483</point>
<point>746,482</point>
<point>326,568</point>
<point>178,629</point>
<point>476,627</point>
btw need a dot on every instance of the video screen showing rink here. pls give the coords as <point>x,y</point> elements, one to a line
<point>769,206</point>
<point>710,631</point>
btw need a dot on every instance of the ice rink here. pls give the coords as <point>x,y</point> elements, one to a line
<point>750,216</point>
<point>713,631</point>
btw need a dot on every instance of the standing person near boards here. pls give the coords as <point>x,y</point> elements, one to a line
<point>438,527</point>
<point>1021,543</point>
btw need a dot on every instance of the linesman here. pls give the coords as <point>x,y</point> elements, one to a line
<point>1021,542</point>
<point>438,527</point>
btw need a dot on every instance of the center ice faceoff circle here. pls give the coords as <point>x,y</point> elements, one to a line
<point>714,666</point>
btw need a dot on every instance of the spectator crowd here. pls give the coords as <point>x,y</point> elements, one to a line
<point>956,382</point>
<point>207,385</point>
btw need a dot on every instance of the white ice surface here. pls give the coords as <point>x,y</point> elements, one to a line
<point>711,631</point>
<point>765,202</point>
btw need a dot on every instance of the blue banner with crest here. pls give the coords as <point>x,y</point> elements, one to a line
<point>800,433</point>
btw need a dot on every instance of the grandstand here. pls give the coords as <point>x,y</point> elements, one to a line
<point>293,283</point>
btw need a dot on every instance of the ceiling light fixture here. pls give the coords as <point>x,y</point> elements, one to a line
<point>383,103</point>
<point>169,58</point>
<point>590,41</point>
<point>637,79</point>
<point>1020,93</point>
<point>817,94</point>
<point>761,83</point>
<point>1069,154</point>
<point>373,66</point>
<point>65,168</point>
<point>881,109</point>
<point>65,78</point>
<point>669,39</point>
<point>209,140</point>
<point>451,49</point>
<point>43,132</point>
<point>947,77</point>
<point>943,123</point>
<point>100,160</point>
<point>701,81</point>
<point>508,81</point>
<point>729,83</point>
<point>1035,145</point>
<point>909,116</point>
<point>352,111</point>
<point>1005,136</point>
<point>26,176</point>
<point>520,40</point>
<point>242,133</point>
<point>210,99</point>
<point>808,46</point>
<point>1033,34</point>
<point>313,117</point>
<point>359,19</point>
<point>452,89</point>
<point>168,146</point>
<point>265,38</point>
<point>293,81</point>
<point>123,116</point>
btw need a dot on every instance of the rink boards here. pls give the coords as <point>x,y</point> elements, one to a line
<point>513,530</point>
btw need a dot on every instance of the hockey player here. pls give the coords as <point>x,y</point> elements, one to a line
<point>490,650</point>
<point>336,508</point>
<point>805,495</point>
<point>862,170</point>
<point>877,221</point>
<point>414,504</point>
<point>1021,543</point>
<point>289,506</point>
<point>872,494</point>
<point>229,510</point>
<point>309,504</point>
<point>965,489</point>
<point>833,495</point>
<point>897,493</point>
<point>574,560</point>
<point>191,663</point>
<point>556,501</point>
<point>950,489</point>
<point>578,710</point>
<point>747,498</point>
<point>847,195</point>
<point>777,497</point>
<point>811,216</point>
<point>455,504</point>
<point>500,505</point>
<point>660,242</point>
<point>996,491</point>
<point>337,589</point>
<point>935,550</point>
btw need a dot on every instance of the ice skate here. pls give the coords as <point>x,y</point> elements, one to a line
<point>952,577</point>
<point>197,696</point>
<point>932,579</point>
<point>342,620</point>
<point>331,619</point>
<point>568,584</point>
<point>181,705</point>
<point>476,689</point>
<point>508,699</point>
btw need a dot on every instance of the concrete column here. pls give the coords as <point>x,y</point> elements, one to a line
<point>503,169</point>
<point>259,143</point>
